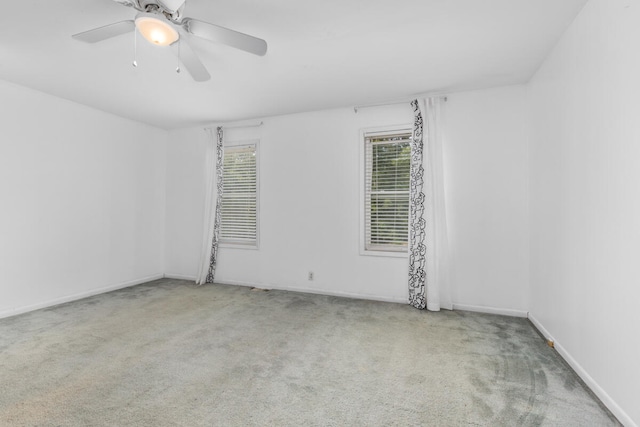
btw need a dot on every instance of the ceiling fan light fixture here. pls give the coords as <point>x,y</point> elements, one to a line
<point>156,29</point>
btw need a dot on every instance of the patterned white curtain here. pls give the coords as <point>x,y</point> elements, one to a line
<point>209,250</point>
<point>429,260</point>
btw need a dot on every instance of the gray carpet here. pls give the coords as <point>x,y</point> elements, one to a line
<point>169,353</point>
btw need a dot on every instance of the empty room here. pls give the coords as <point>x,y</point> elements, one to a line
<point>342,213</point>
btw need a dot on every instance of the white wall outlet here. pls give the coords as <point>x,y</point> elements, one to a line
<point>311,275</point>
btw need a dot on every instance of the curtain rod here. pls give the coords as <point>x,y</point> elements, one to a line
<point>384,104</point>
<point>241,125</point>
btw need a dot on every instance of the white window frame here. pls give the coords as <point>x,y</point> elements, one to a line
<point>381,130</point>
<point>234,245</point>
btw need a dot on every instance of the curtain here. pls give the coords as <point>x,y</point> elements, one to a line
<point>429,259</point>
<point>213,198</point>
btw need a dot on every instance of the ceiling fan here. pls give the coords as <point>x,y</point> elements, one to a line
<point>161,22</point>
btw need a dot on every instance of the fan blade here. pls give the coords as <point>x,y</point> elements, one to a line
<point>182,49</point>
<point>170,5</point>
<point>226,36</point>
<point>130,3</point>
<point>106,32</point>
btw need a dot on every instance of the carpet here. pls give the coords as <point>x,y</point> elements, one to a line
<point>170,353</point>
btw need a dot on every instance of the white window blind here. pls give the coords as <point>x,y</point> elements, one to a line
<point>387,163</point>
<point>239,196</point>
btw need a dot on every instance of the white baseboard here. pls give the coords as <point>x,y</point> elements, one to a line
<point>316,291</point>
<point>543,331</point>
<point>491,310</point>
<point>622,416</point>
<point>74,297</point>
<point>401,300</point>
<point>180,277</point>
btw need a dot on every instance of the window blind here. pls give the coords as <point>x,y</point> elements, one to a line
<point>239,196</point>
<point>387,168</point>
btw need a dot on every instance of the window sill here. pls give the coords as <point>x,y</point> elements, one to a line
<point>238,246</point>
<point>386,254</point>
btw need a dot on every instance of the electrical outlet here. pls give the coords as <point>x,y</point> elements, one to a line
<point>311,275</point>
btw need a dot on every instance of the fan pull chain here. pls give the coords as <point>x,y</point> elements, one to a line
<point>178,67</point>
<point>135,48</point>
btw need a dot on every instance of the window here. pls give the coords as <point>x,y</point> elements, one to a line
<point>387,158</point>
<point>239,208</point>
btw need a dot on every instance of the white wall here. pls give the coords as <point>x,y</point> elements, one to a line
<point>488,198</point>
<point>585,200</point>
<point>309,211</point>
<point>309,203</point>
<point>82,200</point>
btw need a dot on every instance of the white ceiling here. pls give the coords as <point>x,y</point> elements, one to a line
<point>322,54</point>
